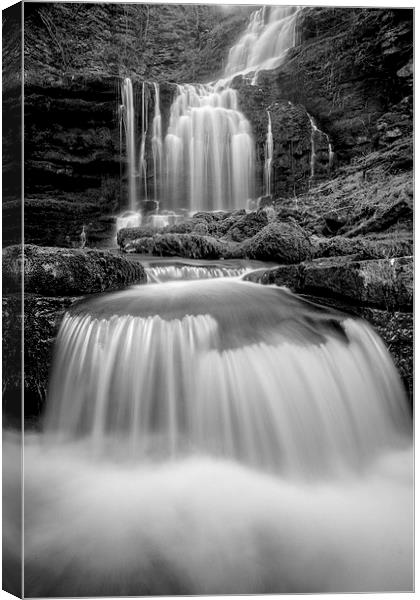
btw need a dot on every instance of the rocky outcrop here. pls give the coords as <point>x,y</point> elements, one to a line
<point>41,321</point>
<point>67,272</point>
<point>382,283</point>
<point>282,242</point>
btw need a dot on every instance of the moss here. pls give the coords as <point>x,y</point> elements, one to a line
<point>67,272</point>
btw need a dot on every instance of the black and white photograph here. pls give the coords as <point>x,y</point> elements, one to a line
<point>207,308</point>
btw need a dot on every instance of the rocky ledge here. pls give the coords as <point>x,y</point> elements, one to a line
<point>54,278</point>
<point>67,272</point>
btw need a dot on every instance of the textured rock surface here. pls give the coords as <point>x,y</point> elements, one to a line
<point>382,283</point>
<point>66,272</point>
<point>42,317</point>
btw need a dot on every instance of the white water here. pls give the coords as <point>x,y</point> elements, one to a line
<point>175,272</point>
<point>270,33</point>
<point>268,162</point>
<point>128,219</point>
<point>314,131</point>
<point>128,120</point>
<point>209,151</point>
<point>209,147</point>
<point>144,128</point>
<point>216,437</point>
<point>157,144</point>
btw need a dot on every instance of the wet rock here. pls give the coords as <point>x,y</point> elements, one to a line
<point>382,283</point>
<point>384,218</point>
<point>41,319</point>
<point>247,226</point>
<point>184,245</point>
<point>57,222</point>
<point>67,272</point>
<point>280,242</point>
<point>361,248</point>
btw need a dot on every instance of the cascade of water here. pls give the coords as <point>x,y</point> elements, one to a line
<point>157,144</point>
<point>268,157</point>
<point>314,131</point>
<point>128,119</point>
<point>209,150</point>
<point>162,273</point>
<point>187,380</point>
<point>270,33</point>
<point>144,128</point>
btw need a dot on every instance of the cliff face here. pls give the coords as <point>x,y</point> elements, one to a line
<point>161,42</point>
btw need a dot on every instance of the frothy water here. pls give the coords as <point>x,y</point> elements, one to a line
<point>209,151</point>
<point>216,437</point>
<point>179,272</point>
<point>271,31</point>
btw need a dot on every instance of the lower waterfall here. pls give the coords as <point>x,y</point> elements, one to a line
<point>217,437</point>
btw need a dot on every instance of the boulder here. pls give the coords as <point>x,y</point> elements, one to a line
<point>383,283</point>
<point>281,242</point>
<point>67,272</point>
<point>186,245</point>
<point>247,225</point>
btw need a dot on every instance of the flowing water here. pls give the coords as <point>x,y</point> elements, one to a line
<point>268,162</point>
<point>206,160</point>
<point>212,437</point>
<point>128,120</point>
<point>270,33</point>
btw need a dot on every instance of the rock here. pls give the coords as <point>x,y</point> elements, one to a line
<point>384,218</point>
<point>67,272</point>
<point>49,221</point>
<point>184,245</point>
<point>382,283</point>
<point>42,318</point>
<point>361,248</point>
<point>280,242</point>
<point>247,226</point>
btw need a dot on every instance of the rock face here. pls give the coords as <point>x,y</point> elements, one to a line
<point>66,272</point>
<point>383,283</point>
<point>41,320</point>
<point>54,278</point>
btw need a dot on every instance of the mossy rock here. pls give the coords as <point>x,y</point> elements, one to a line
<point>67,272</point>
<point>282,242</point>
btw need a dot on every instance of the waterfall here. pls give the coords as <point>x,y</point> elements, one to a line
<point>144,128</point>
<point>268,157</point>
<point>157,144</point>
<point>188,381</point>
<point>209,147</point>
<point>223,423</point>
<point>271,31</point>
<point>174,272</point>
<point>128,120</point>
<point>314,131</point>
<point>209,151</point>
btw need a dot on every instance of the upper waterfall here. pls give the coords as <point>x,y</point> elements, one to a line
<point>270,33</point>
<point>206,160</point>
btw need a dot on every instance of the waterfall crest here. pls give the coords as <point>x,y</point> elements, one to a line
<point>280,385</point>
